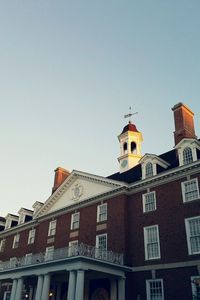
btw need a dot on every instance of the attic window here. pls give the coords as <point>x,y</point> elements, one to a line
<point>149,169</point>
<point>187,156</point>
<point>133,147</point>
<point>125,147</point>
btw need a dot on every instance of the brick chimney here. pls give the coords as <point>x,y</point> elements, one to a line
<point>184,123</point>
<point>60,175</point>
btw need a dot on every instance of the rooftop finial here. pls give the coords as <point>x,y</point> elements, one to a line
<point>130,114</point>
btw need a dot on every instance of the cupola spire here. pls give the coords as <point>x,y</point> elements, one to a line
<point>130,141</point>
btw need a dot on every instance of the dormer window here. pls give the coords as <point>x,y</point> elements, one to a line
<point>187,156</point>
<point>149,170</point>
<point>187,151</point>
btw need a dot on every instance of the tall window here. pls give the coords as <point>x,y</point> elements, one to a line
<point>190,190</point>
<point>149,202</point>
<point>49,253</point>
<point>187,156</point>
<point>2,245</point>
<point>16,241</point>
<point>52,228</point>
<point>101,246</point>
<point>154,289</point>
<point>125,147</point>
<point>13,262</point>
<point>151,242</point>
<point>193,235</point>
<point>28,259</point>
<point>149,170</point>
<point>73,248</point>
<point>195,281</point>
<point>31,236</point>
<point>75,219</point>
<point>102,212</point>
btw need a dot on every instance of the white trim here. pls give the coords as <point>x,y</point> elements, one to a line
<point>16,241</point>
<point>73,222</point>
<point>52,231</point>
<point>49,253</point>
<point>146,242</point>
<point>31,236</point>
<point>188,234</point>
<point>99,207</point>
<point>144,198</point>
<point>193,287</point>
<point>148,288</point>
<point>183,183</point>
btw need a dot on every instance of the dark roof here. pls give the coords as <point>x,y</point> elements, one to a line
<point>2,219</point>
<point>129,127</point>
<point>135,174</point>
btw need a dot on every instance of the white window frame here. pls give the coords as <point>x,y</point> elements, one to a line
<point>101,252</point>
<point>7,295</point>
<point>2,245</point>
<point>193,286</point>
<point>187,155</point>
<point>101,213</point>
<point>148,289</point>
<point>145,199</point>
<point>73,248</point>
<point>52,228</point>
<point>31,237</point>
<point>147,243</point>
<point>183,185</point>
<point>28,259</point>
<point>188,234</point>
<point>75,222</point>
<point>16,241</point>
<point>13,262</point>
<point>49,253</point>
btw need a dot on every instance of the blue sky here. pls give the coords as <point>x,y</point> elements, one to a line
<point>69,70</point>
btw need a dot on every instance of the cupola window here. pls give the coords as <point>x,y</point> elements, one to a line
<point>149,169</point>
<point>125,147</point>
<point>133,147</point>
<point>187,156</point>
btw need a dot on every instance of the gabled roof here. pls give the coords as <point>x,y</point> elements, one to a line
<point>135,174</point>
<point>77,187</point>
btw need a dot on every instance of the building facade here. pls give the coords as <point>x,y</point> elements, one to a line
<point>134,235</point>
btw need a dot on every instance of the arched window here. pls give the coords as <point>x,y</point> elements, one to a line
<point>149,169</point>
<point>125,147</point>
<point>187,156</point>
<point>133,147</point>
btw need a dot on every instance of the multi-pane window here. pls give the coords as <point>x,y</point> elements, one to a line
<point>154,289</point>
<point>151,242</point>
<point>190,190</point>
<point>28,259</point>
<point>101,246</point>
<point>149,202</point>
<point>187,156</point>
<point>75,220</point>
<point>195,282</point>
<point>31,236</point>
<point>149,169</point>
<point>102,212</point>
<point>73,248</point>
<point>193,234</point>
<point>13,262</point>
<point>2,245</point>
<point>52,228</point>
<point>16,241</point>
<point>49,253</point>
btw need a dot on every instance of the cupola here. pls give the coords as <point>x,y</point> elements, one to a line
<point>130,141</point>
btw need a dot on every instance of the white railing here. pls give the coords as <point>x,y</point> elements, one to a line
<point>62,253</point>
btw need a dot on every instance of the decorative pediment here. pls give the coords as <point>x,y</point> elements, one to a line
<point>149,164</point>
<point>77,187</point>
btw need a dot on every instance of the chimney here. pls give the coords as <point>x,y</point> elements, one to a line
<point>184,123</point>
<point>60,175</point>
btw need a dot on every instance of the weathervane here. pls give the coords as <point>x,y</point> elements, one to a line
<point>130,114</point>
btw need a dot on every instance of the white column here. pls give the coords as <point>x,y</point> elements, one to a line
<point>79,285</point>
<point>58,291</point>
<point>71,285</point>
<point>113,287</point>
<point>13,291</point>
<point>18,295</point>
<point>46,286</point>
<point>121,289</point>
<point>39,287</point>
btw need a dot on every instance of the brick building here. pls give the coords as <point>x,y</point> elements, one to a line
<point>133,235</point>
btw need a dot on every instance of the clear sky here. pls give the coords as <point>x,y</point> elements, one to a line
<point>69,70</point>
